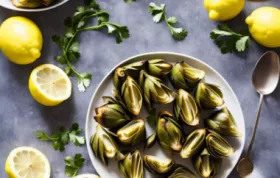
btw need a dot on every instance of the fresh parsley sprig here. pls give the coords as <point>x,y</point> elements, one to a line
<point>73,164</point>
<point>62,137</point>
<point>228,40</point>
<point>129,1</point>
<point>159,14</point>
<point>77,24</point>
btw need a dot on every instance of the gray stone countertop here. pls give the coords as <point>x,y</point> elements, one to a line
<point>21,116</point>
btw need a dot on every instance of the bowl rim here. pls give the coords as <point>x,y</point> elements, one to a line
<point>158,53</point>
<point>34,10</point>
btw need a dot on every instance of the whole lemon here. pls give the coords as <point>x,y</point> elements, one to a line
<point>223,9</point>
<point>264,26</point>
<point>21,40</point>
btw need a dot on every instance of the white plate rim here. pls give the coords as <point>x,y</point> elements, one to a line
<point>158,53</point>
<point>33,10</point>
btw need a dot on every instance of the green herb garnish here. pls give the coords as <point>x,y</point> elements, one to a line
<point>228,40</point>
<point>62,137</point>
<point>129,1</point>
<point>73,164</point>
<point>77,24</point>
<point>159,14</point>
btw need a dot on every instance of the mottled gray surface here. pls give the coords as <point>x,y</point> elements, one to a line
<point>21,116</point>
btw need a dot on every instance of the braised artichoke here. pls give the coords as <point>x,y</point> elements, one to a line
<point>169,133</point>
<point>182,172</point>
<point>132,165</point>
<point>132,133</point>
<point>158,165</point>
<point>223,122</point>
<point>205,165</point>
<point>103,145</point>
<point>121,73</point>
<point>111,114</point>
<point>132,97</point>
<point>48,2</point>
<point>217,146</point>
<point>193,143</point>
<point>186,109</point>
<point>159,67</point>
<point>154,90</point>
<point>27,3</point>
<point>209,96</point>
<point>151,140</point>
<point>184,76</point>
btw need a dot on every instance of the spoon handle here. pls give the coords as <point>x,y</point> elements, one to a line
<point>255,127</point>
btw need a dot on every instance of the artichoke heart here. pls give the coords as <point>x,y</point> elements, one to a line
<point>169,133</point>
<point>186,109</point>
<point>132,165</point>
<point>154,90</point>
<point>132,133</point>
<point>103,145</point>
<point>223,123</point>
<point>111,114</point>
<point>185,76</point>
<point>205,165</point>
<point>132,96</point>
<point>217,146</point>
<point>181,172</point>
<point>209,96</point>
<point>48,2</point>
<point>27,3</point>
<point>158,165</point>
<point>121,73</point>
<point>193,143</point>
<point>159,67</point>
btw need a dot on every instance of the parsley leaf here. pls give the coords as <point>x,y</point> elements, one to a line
<point>228,40</point>
<point>152,118</point>
<point>62,137</point>
<point>159,14</point>
<point>129,1</point>
<point>73,164</point>
<point>73,27</point>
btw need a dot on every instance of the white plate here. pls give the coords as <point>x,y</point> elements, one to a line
<point>212,76</point>
<point>9,5</point>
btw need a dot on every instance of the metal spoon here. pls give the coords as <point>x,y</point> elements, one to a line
<point>265,79</point>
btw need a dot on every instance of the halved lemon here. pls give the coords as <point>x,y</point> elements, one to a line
<point>87,176</point>
<point>49,85</point>
<point>27,162</point>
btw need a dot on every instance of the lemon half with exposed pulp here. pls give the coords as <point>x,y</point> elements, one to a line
<point>223,9</point>
<point>264,26</point>
<point>27,162</point>
<point>21,40</point>
<point>49,85</point>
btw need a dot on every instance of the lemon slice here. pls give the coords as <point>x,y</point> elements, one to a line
<point>49,85</point>
<point>27,162</point>
<point>87,176</point>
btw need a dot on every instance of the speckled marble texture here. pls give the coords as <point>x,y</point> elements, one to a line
<point>21,116</point>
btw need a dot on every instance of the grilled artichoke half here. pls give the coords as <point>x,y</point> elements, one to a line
<point>132,133</point>
<point>112,114</point>
<point>169,133</point>
<point>193,143</point>
<point>185,76</point>
<point>132,165</point>
<point>186,109</point>
<point>103,145</point>
<point>154,90</point>
<point>209,96</point>
<point>121,73</point>
<point>217,146</point>
<point>205,165</point>
<point>181,172</point>
<point>132,96</point>
<point>223,122</point>
<point>158,165</point>
<point>159,67</point>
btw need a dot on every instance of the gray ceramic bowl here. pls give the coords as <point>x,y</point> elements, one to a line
<point>8,4</point>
